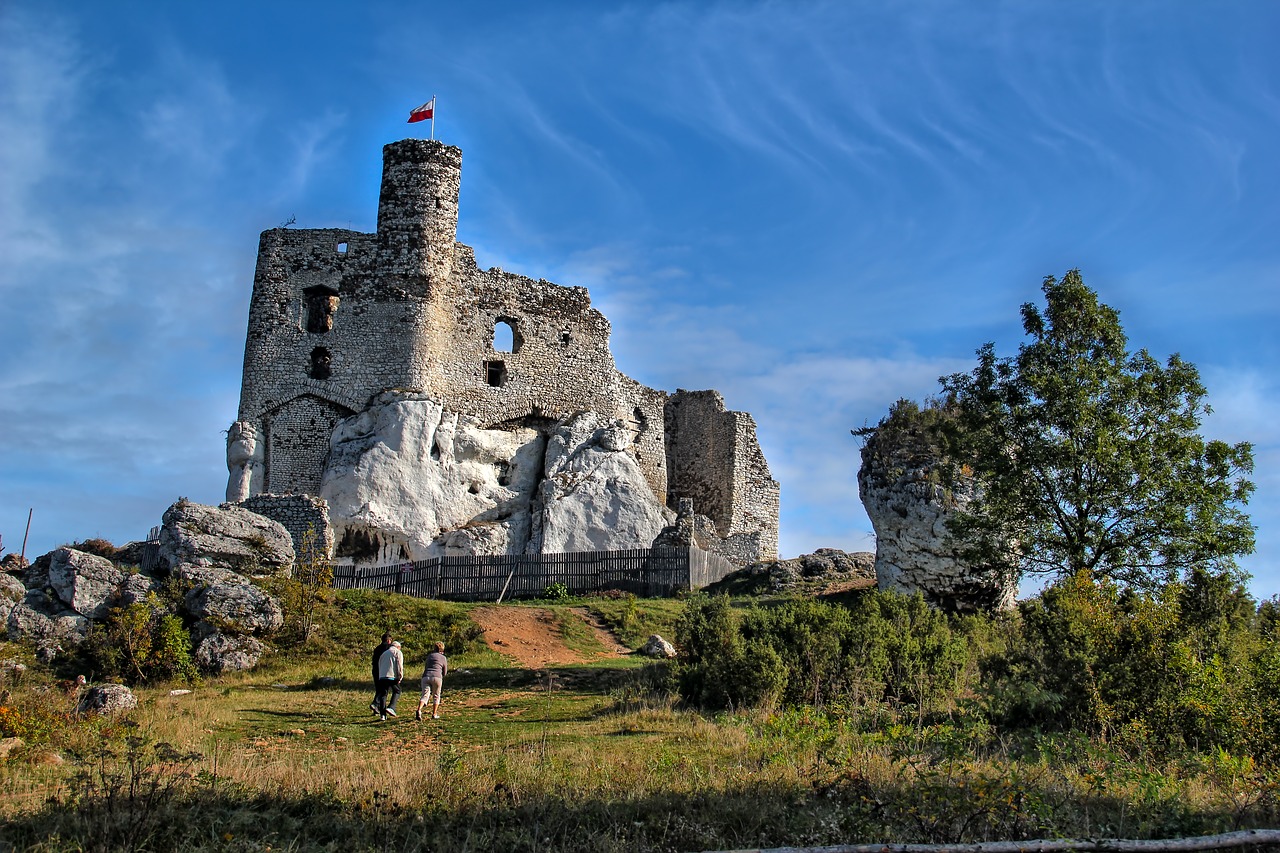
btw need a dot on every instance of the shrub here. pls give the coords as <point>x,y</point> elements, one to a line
<point>142,642</point>
<point>305,594</point>
<point>556,592</point>
<point>1185,666</point>
<point>805,652</point>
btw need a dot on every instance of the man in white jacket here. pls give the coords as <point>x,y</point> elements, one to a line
<point>388,672</point>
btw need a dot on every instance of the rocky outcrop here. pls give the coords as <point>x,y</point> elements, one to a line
<point>901,484</point>
<point>218,652</point>
<point>210,552</point>
<point>595,497</point>
<point>406,480</point>
<point>84,582</point>
<point>47,623</point>
<point>11,592</point>
<point>231,603</point>
<point>226,537</point>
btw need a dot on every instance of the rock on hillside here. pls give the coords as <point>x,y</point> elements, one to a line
<point>824,568</point>
<point>224,537</point>
<point>900,486</point>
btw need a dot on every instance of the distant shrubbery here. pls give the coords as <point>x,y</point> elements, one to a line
<point>1193,666</point>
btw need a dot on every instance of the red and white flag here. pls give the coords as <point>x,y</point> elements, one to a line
<point>424,112</point>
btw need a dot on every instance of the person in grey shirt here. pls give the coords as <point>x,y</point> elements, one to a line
<point>433,681</point>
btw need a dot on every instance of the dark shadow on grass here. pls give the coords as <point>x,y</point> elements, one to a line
<point>840,808</point>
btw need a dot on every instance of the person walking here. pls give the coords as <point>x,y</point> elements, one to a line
<point>388,672</point>
<point>433,681</point>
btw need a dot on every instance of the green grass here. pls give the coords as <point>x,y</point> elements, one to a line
<point>573,758</point>
<point>633,620</point>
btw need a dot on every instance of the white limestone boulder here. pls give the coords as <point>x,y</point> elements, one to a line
<point>45,621</point>
<point>656,647</point>
<point>594,496</point>
<point>227,537</point>
<point>406,480</point>
<point>84,582</point>
<point>11,592</point>
<point>228,600</point>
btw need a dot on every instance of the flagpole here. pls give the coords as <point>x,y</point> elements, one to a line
<point>433,116</point>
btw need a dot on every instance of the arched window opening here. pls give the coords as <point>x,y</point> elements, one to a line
<point>506,335</point>
<point>322,304</point>
<point>320,364</point>
<point>495,373</point>
<point>342,248</point>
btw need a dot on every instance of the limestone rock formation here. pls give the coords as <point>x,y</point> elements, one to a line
<point>218,652</point>
<point>406,479</point>
<point>595,497</point>
<point>901,489</point>
<point>226,537</point>
<point>11,592</point>
<point>227,600</point>
<point>210,552</point>
<point>48,623</point>
<point>84,582</point>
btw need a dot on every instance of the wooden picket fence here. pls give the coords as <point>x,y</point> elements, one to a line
<point>646,572</point>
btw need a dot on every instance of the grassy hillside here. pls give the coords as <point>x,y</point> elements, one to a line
<point>597,755</point>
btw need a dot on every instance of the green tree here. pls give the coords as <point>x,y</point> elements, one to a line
<point>1087,457</point>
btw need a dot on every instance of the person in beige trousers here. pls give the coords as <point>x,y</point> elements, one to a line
<point>433,681</point>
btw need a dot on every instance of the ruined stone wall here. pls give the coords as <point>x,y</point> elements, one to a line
<point>714,458</point>
<point>298,514</point>
<point>338,317</point>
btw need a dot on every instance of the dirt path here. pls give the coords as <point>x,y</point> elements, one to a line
<point>531,637</point>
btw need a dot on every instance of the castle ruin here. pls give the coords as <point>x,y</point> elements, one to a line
<point>345,327</point>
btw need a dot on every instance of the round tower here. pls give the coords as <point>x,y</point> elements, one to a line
<point>418,210</point>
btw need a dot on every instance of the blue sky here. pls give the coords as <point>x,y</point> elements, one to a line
<point>816,208</point>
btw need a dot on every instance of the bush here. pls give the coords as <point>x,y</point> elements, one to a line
<point>556,592</point>
<point>1187,666</point>
<point>142,642</point>
<point>887,648</point>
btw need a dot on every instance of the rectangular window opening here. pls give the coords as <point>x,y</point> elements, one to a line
<point>495,373</point>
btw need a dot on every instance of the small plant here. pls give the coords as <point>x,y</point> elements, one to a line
<point>310,588</point>
<point>123,790</point>
<point>556,592</point>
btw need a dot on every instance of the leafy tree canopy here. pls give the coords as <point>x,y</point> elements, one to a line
<point>1088,458</point>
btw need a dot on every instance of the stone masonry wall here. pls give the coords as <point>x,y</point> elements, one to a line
<point>714,458</point>
<point>298,514</point>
